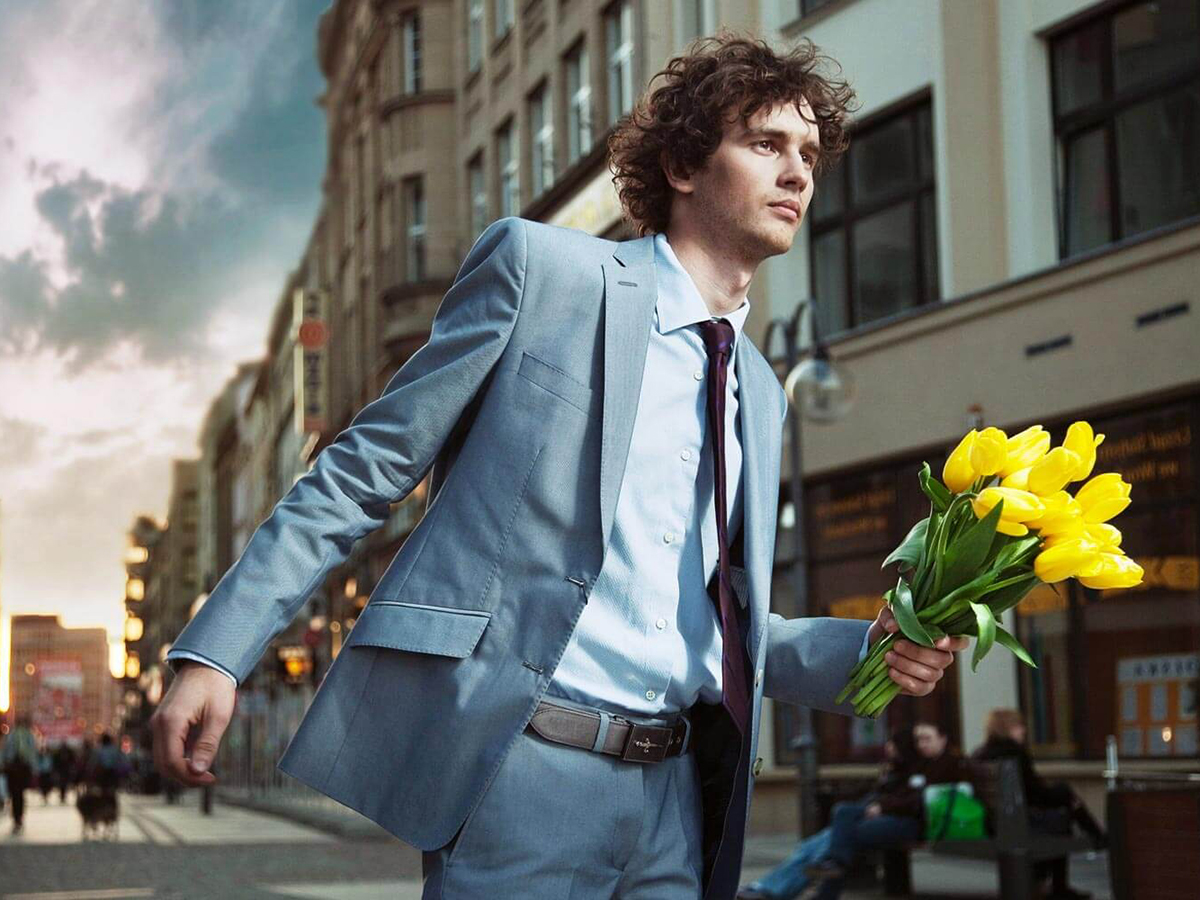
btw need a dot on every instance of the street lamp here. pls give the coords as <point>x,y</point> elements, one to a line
<point>823,393</point>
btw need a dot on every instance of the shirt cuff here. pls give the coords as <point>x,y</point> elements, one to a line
<point>866,645</point>
<point>196,657</point>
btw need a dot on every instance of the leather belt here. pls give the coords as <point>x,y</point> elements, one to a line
<point>604,732</point>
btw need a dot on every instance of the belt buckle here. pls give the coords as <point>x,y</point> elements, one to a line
<point>646,743</point>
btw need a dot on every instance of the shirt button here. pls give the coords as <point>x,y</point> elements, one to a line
<point>660,624</point>
<point>685,454</point>
<point>650,695</point>
<point>668,537</point>
<point>698,375</point>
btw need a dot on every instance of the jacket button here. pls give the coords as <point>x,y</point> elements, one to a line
<point>757,766</point>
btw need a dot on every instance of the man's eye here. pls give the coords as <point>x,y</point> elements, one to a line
<point>765,144</point>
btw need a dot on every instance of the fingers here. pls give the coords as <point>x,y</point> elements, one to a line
<point>934,657</point>
<point>205,700</point>
<point>914,677</point>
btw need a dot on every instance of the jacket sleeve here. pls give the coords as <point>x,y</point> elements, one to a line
<point>808,660</point>
<point>377,460</point>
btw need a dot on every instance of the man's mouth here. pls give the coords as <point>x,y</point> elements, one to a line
<point>789,209</point>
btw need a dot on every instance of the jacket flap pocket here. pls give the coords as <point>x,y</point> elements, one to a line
<point>419,628</point>
<point>555,381</point>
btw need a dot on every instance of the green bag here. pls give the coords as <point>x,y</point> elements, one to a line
<point>953,814</point>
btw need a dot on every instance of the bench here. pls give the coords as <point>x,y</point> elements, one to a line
<point>1014,846</point>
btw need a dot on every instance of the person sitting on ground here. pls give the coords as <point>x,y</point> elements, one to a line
<point>790,877</point>
<point>1052,807</point>
<point>897,816</point>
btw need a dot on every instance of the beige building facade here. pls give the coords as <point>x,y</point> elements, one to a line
<point>1012,239</point>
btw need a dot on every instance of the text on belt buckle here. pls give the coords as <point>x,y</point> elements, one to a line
<point>647,743</point>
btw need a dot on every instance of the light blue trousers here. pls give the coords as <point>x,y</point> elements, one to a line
<point>561,823</point>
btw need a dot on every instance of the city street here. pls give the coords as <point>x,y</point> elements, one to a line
<point>174,852</point>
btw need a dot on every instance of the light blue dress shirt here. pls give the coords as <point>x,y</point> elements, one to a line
<point>649,640</point>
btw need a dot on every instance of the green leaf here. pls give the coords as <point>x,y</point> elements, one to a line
<point>906,616</point>
<point>986,637</point>
<point>966,554</point>
<point>937,492</point>
<point>1004,639</point>
<point>1002,599</point>
<point>911,548</point>
<point>1015,551</point>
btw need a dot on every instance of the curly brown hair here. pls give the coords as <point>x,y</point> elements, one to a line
<point>681,121</point>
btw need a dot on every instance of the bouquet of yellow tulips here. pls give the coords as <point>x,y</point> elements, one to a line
<point>1000,523</point>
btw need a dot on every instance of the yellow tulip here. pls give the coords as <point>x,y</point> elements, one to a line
<point>1114,571</point>
<point>1081,440</point>
<point>1052,472</point>
<point>1019,506</point>
<point>989,452</point>
<point>1062,513</point>
<point>958,474</point>
<point>1016,529</point>
<point>1061,561</point>
<point>1103,497</point>
<point>1025,448</point>
<point>1018,479</point>
<point>1108,537</point>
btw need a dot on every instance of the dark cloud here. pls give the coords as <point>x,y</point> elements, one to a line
<point>148,270</point>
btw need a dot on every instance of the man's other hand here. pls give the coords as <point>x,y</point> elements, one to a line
<point>201,697</point>
<point>915,668</point>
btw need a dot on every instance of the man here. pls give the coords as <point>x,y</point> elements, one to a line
<point>18,762</point>
<point>542,694</point>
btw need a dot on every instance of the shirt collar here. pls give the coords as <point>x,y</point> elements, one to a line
<point>679,301</point>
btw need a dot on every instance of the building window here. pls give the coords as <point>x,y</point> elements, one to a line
<point>1126,92</point>
<point>618,27</point>
<point>508,164</point>
<point>478,194</point>
<point>504,17</point>
<point>579,104</point>
<point>694,19</point>
<point>541,139</point>
<point>412,52</point>
<point>414,219</point>
<point>1125,662</point>
<point>474,35</point>
<point>873,226</point>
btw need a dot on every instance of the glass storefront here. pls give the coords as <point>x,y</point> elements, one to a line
<point>1126,662</point>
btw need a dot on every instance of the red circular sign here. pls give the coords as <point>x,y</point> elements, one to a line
<point>313,334</point>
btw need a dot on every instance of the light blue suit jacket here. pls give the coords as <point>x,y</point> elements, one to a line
<point>520,407</point>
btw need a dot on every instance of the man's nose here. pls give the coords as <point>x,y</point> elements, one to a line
<point>796,174</point>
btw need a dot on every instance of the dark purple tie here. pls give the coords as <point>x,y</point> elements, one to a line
<point>718,340</point>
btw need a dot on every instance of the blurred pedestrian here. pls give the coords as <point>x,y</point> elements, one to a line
<point>896,816</point>
<point>45,774</point>
<point>19,760</point>
<point>64,769</point>
<point>107,766</point>
<point>789,878</point>
<point>1052,807</point>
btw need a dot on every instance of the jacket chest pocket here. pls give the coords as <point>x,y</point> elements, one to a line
<point>557,382</point>
<point>418,628</point>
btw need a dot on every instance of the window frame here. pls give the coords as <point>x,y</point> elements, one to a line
<point>541,138</point>
<point>475,29</point>
<point>578,101</point>
<point>1101,114</point>
<point>508,168</point>
<point>416,223</point>
<point>619,58</point>
<point>410,28</point>
<point>478,210</point>
<point>914,193</point>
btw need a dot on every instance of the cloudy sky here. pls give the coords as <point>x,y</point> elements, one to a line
<point>160,168</point>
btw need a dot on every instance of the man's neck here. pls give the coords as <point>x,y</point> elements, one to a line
<point>721,278</point>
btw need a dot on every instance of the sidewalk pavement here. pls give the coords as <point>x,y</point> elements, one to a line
<point>933,878</point>
<point>149,821</point>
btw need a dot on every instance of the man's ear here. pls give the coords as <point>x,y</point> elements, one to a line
<point>678,181</point>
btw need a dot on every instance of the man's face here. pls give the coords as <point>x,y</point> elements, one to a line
<point>931,743</point>
<point>760,169</point>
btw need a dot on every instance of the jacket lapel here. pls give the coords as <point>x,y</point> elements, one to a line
<point>760,497</point>
<point>630,292</point>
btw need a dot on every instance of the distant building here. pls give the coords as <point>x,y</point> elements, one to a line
<point>60,678</point>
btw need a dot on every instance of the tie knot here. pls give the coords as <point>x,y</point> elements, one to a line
<point>718,337</point>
